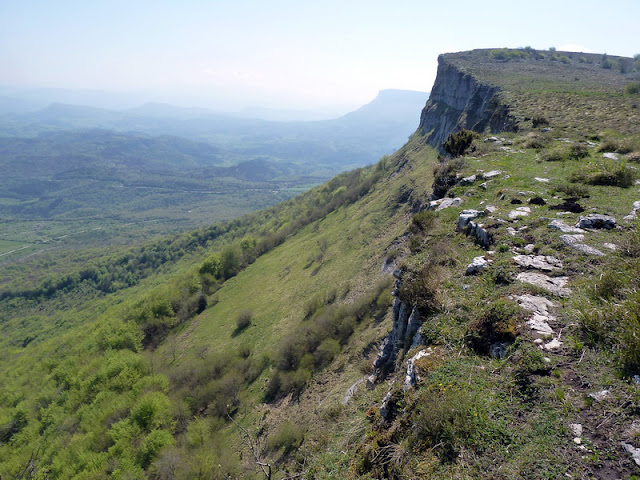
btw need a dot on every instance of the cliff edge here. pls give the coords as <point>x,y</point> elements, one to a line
<point>459,100</point>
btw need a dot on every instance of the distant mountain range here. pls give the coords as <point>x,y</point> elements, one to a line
<point>353,140</point>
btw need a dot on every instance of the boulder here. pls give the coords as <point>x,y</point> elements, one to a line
<point>466,216</point>
<point>596,220</point>
<point>498,350</point>
<point>540,179</point>
<point>611,156</point>
<point>634,213</point>
<point>448,202</point>
<point>553,344</point>
<point>599,396</point>
<point>490,209</point>
<point>491,174</point>
<point>468,180</point>
<point>633,451</point>
<point>478,265</point>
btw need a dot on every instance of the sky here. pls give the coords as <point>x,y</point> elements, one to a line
<point>282,54</point>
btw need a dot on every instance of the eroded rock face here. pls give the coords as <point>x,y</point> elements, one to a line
<point>458,101</point>
<point>466,216</point>
<point>404,333</point>
<point>411,378</point>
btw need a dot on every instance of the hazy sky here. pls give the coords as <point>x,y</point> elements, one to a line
<point>334,54</point>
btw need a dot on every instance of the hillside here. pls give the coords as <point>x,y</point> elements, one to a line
<point>465,308</point>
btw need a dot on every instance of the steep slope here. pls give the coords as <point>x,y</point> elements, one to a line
<point>360,330</point>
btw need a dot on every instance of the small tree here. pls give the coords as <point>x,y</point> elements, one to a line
<point>458,143</point>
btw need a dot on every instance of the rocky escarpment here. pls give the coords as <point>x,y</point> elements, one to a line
<point>458,100</point>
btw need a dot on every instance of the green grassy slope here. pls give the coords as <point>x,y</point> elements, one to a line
<point>236,345</point>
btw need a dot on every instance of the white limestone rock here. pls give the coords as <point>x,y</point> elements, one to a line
<point>563,227</point>
<point>545,263</point>
<point>576,242</point>
<point>554,285</point>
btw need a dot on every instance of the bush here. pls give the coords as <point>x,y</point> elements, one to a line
<point>539,121</point>
<point>444,421</point>
<point>244,320</point>
<point>288,437</point>
<point>325,352</point>
<point>445,176</point>
<point>422,286</point>
<point>458,143</point>
<point>495,323</point>
<point>423,221</point>
<point>575,151</point>
<point>615,174</point>
<point>537,141</point>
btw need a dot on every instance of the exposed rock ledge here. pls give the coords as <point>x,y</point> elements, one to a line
<point>458,100</point>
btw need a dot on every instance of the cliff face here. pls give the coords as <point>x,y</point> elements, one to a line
<point>459,101</point>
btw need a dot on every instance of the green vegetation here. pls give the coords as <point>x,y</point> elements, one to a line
<point>247,344</point>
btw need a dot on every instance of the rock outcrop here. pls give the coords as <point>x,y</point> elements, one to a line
<point>458,100</point>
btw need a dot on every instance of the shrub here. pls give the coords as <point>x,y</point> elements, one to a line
<point>617,145</point>
<point>615,174</point>
<point>423,221</point>
<point>152,410</point>
<point>575,151</point>
<point>537,141</point>
<point>539,121</point>
<point>458,143</point>
<point>495,323</point>
<point>422,286</point>
<point>244,320</point>
<point>444,421</point>
<point>528,361</point>
<point>445,176</point>
<point>571,189</point>
<point>151,445</point>
<point>326,351</point>
<point>288,437</point>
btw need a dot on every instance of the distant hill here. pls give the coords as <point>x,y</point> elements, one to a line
<point>356,139</point>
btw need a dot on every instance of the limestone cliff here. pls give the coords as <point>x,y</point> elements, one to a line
<point>458,100</point>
